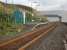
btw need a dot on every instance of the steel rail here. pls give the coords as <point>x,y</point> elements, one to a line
<point>36,39</point>
<point>23,40</point>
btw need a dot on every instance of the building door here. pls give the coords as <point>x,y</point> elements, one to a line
<point>18,17</point>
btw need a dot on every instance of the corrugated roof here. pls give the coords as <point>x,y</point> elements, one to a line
<point>20,6</point>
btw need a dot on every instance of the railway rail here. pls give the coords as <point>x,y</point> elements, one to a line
<point>23,42</point>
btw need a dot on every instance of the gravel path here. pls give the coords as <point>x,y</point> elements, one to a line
<point>52,41</point>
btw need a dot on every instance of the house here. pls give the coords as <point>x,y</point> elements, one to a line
<point>21,13</point>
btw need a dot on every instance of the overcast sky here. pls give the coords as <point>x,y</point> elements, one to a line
<point>42,5</point>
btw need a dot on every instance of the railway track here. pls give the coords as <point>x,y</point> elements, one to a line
<point>23,42</point>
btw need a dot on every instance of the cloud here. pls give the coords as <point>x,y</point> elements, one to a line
<point>44,4</point>
<point>53,4</point>
<point>15,1</point>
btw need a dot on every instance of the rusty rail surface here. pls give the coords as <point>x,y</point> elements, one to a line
<point>36,39</point>
<point>25,40</point>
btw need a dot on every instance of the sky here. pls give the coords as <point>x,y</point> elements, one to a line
<point>41,5</point>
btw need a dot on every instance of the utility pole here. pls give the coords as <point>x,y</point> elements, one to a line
<point>5,11</point>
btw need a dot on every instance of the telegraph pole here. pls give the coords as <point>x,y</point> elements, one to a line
<point>5,11</point>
